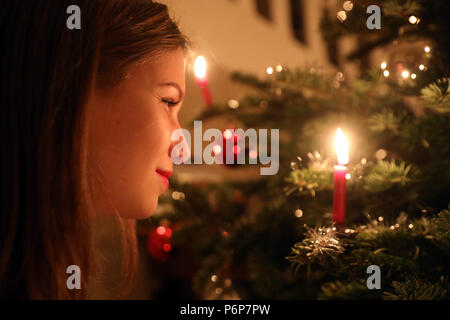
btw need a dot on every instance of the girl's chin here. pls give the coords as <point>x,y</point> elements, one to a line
<point>144,212</point>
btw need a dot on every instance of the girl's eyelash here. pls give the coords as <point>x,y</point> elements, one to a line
<point>170,103</point>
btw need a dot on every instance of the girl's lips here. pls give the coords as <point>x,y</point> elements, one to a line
<point>164,175</point>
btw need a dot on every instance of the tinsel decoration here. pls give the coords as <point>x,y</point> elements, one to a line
<point>318,243</point>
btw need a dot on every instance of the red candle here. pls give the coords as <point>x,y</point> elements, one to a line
<point>339,194</point>
<point>202,79</point>
<point>203,84</point>
<point>340,172</point>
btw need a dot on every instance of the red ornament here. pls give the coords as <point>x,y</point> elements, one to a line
<point>158,243</point>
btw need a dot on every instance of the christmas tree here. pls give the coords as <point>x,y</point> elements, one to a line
<point>274,237</point>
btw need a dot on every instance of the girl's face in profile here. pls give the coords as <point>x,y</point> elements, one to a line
<point>129,136</point>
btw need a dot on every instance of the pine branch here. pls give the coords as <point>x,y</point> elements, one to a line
<point>316,177</point>
<point>419,289</point>
<point>384,121</point>
<point>437,95</point>
<point>338,290</point>
<point>385,174</point>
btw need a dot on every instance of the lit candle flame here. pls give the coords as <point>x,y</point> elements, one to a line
<point>341,145</point>
<point>200,67</point>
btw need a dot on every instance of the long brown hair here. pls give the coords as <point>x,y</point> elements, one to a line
<point>47,74</point>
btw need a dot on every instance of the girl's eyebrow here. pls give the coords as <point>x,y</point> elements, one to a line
<point>176,86</point>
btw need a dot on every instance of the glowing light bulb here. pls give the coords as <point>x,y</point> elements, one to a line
<point>342,16</point>
<point>217,149</point>
<point>279,68</point>
<point>413,20</point>
<point>269,70</point>
<point>422,67</point>
<point>405,74</point>
<point>427,49</point>
<point>161,230</point>
<point>383,65</point>
<point>413,76</point>
<point>348,5</point>
<point>233,103</point>
<point>227,134</point>
<point>380,154</point>
<point>341,145</point>
<point>386,73</point>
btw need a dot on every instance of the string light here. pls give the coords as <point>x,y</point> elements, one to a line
<point>422,67</point>
<point>340,76</point>
<point>176,195</point>
<point>386,73</point>
<point>279,68</point>
<point>166,247</point>
<point>410,226</point>
<point>348,5</point>
<point>233,103</point>
<point>298,213</point>
<point>383,65</point>
<point>269,70</point>
<point>227,282</point>
<point>413,76</point>
<point>217,149</point>
<point>348,176</point>
<point>342,16</point>
<point>213,278</point>
<point>380,154</point>
<point>161,230</point>
<point>405,74</point>
<point>380,218</point>
<point>227,134</point>
<point>427,49</point>
<point>413,20</point>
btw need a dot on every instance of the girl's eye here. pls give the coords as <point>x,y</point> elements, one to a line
<point>170,103</point>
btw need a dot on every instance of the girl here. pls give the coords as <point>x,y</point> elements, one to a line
<point>87,116</point>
